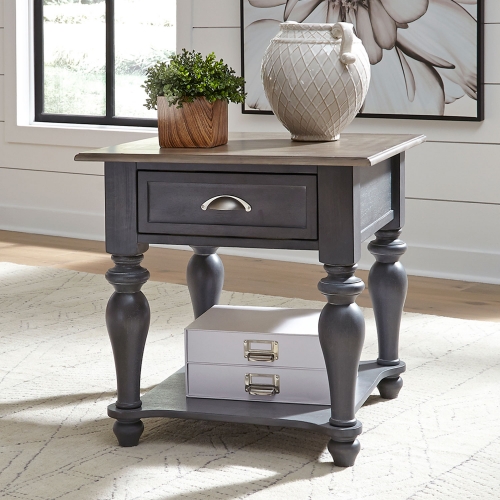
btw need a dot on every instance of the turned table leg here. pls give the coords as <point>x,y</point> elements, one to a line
<point>341,334</point>
<point>388,284</point>
<point>205,277</point>
<point>127,319</point>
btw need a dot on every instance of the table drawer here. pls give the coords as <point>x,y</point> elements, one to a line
<point>218,204</point>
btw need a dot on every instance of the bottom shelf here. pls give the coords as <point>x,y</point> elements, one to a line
<point>168,399</point>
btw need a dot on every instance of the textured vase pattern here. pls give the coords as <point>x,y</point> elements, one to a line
<point>316,77</point>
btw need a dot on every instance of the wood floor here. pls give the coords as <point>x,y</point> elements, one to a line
<point>458,299</point>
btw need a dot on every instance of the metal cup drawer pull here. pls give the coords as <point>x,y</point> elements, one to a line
<point>251,353</point>
<point>226,202</point>
<point>259,389</point>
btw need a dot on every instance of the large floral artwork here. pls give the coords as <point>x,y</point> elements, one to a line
<point>424,54</point>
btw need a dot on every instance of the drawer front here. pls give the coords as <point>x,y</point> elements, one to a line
<point>228,382</point>
<point>277,206</point>
<point>301,351</point>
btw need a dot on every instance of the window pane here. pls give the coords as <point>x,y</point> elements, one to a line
<point>144,34</point>
<point>74,57</point>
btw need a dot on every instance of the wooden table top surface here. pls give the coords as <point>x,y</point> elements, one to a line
<point>357,150</point>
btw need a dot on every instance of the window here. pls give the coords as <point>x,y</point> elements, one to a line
<point>91,57</point>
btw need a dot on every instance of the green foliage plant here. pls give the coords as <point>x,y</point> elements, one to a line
<point>188,76</point>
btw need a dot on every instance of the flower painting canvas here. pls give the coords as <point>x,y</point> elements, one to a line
<point>425,55</point>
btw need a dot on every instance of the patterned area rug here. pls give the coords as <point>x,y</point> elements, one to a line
<point>439,440</point>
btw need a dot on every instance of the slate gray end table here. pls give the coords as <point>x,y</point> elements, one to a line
<point>260,191</point>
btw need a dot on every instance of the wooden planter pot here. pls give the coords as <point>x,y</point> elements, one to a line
<point>198,124</point>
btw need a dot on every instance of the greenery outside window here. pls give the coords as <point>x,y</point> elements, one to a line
<point>91,58</point>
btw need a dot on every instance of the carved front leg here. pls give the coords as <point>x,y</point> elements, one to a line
<point>341,334</point>
<point>388,284</point>
<point>127,319</point>
<point>205,277</point>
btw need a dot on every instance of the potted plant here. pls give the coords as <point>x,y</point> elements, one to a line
<point>191,94</point>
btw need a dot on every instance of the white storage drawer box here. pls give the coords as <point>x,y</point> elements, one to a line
<point>256,353</point>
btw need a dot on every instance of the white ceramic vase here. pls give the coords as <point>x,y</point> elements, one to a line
<point>315,77</point>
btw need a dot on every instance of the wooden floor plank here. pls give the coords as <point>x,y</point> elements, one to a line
<point>458,299</point>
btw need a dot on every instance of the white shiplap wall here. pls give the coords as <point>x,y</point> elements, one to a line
<point>2,70</point>
<point>453,207</point>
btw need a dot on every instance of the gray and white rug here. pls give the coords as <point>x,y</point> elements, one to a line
<point>439,440</point>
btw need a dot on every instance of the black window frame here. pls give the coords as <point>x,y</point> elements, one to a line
<point>109,118</point>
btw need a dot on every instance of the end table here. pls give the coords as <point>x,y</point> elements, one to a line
<point>260,191</point>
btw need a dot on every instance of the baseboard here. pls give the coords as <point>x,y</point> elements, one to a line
<point>420,260</point>
<point>65,223</point>
<point>451,263</point>
<point>431,262</point>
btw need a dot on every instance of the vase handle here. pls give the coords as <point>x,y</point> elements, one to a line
<point>345,31</point>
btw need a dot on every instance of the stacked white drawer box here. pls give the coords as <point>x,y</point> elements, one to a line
<point>256,354</point>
